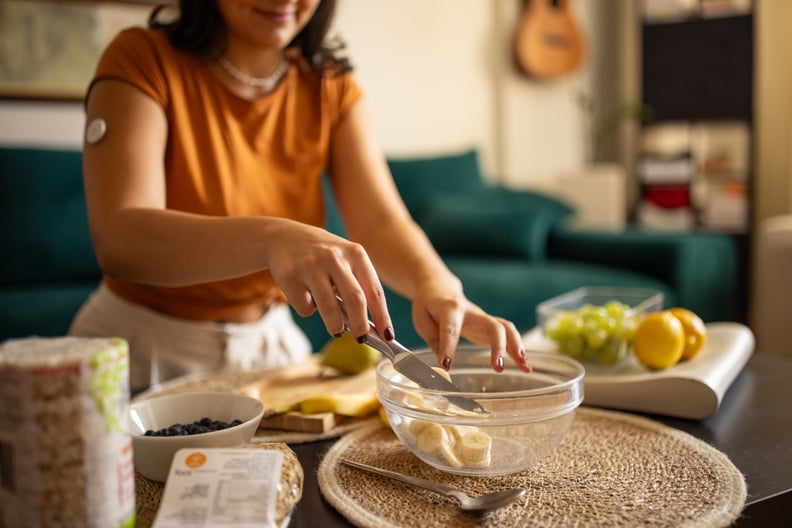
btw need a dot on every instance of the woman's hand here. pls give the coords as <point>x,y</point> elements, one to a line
<point>314,267</point>
<point>442,314</point>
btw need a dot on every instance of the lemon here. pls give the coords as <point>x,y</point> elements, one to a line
<point>659,340</point>
<point>348,356</point>
<point>695,331</point>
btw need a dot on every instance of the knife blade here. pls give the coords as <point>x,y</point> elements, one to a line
<point>407,363</point>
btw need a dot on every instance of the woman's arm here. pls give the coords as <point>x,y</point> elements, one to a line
<point>136,238</point>
<point>375,216</point>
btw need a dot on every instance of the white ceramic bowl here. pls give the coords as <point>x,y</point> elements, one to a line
<point>153,454</point>
<point>528,414</point>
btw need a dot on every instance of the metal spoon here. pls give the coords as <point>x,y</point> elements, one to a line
<point>489,501</point>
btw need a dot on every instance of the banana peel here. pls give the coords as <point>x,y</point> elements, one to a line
<point>361,404</point>
<point>383,416</point>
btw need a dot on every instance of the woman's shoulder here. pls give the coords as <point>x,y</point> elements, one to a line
<point>142,57</point>
<point>141,37</point>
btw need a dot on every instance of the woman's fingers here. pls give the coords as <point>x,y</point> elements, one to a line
<point>443,329</point>
<point>362,293</point>
<point>514,345</point>
<point>440,326</point>
<point>316,270</point>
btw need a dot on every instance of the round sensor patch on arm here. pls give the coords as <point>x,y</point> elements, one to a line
<point>96,131</point>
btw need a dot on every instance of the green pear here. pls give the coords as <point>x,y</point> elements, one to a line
<point>348,356</point>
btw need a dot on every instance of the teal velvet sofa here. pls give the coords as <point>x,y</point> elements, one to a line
<point>514,249</point>
<point>511,249</point>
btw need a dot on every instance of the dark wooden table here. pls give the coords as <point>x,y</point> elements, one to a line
<point>753,427</point>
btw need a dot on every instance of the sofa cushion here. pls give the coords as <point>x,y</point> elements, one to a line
<point>42,310</point>
<point>46,238</point>
<point>419,179</point>
<point>492,222</point>
<point>701,267</point>
<point>454,227</point>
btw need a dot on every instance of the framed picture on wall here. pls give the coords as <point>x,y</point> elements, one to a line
<point>49,49</point>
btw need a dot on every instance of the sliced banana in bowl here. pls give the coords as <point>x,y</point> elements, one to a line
<point>527,413</point>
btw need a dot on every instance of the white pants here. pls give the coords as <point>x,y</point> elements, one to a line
<point>162,347</point>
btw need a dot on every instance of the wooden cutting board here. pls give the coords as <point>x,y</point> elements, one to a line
<point>280,390</point>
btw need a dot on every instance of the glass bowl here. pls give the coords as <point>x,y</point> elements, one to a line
<point>527,414</point>
<point>596,324</point>
<point>153,454</point>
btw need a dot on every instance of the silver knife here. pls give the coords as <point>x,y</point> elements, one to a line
<point>407,363</point>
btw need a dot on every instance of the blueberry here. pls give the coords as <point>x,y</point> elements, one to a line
<point>204,425</point>
<point>175,430</point>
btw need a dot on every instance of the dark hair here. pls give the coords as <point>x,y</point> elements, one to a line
<point>200,28</point>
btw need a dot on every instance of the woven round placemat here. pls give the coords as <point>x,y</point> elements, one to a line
<point>611,469</point>
<point>148,493</point>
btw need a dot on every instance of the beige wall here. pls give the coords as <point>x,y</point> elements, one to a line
<point>438,77</point>
<point>773,109</point>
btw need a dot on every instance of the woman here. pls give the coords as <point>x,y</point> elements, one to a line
<point>207,135</point>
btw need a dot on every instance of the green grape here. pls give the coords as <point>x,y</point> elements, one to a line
<point>612,351</point>
<point>588,311</point>
<point>596,337</point>
<point>572,346</point>
<point>609,324</point>
<point>571,324</point>
<point>626,328</point>
<point>616,309</point>
<point>594,333</point>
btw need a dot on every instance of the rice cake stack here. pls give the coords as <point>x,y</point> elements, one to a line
<point>65,456</point>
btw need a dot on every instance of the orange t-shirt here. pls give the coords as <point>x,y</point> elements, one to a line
<point>227,156</point>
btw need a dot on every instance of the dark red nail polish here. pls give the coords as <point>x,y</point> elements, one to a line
<point>361,339</point>
<point>388,334</point>
<point>500,362</point>
<point>446,363</point>
<point>522,353</point>
<point>339,334</point>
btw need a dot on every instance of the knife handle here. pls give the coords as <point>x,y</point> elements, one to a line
<point>372,338</point>
<point>375,341</point>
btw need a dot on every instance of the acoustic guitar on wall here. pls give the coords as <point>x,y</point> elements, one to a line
<point>548,43</point>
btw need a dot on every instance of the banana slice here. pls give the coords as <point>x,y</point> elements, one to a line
<point>431,437</point>
<point>460,445</point>
<point>414,399</point>
<point>415,427</point>
<point>412,428</point>
<point>435,439</point>
<point>410,398</point>
<point>443,373</point>
<point>450,455</point>
<point>458,431</point>
<point>475,449</point>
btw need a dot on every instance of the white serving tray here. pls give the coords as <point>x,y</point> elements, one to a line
<point>691,389</point>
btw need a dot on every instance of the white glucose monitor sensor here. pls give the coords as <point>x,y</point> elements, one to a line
<point>96,131</point>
